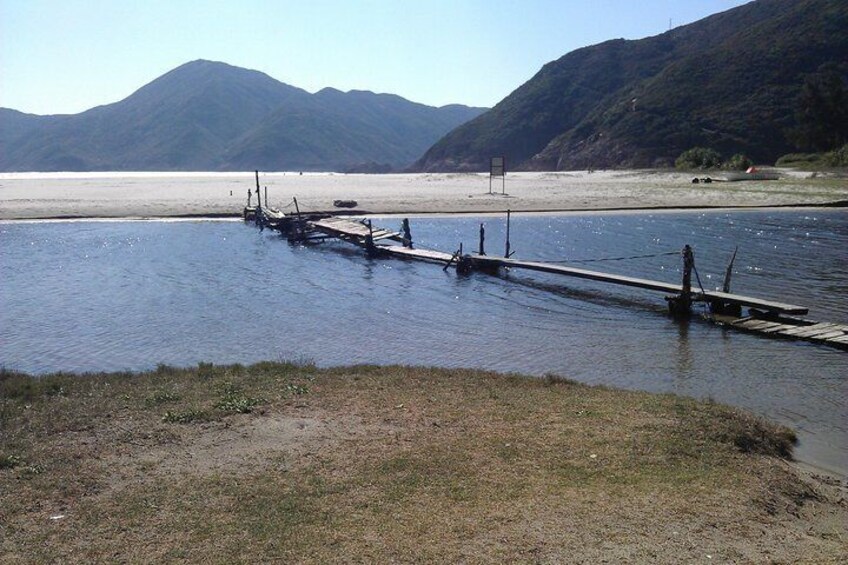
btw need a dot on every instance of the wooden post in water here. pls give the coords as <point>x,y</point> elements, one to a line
<point>369,240</point>
<point>726,286</point>
<point>266,196</point>
<point>482,250</point>
<point>407,233</point>
<point>720,306</point>
<point>680,306</point>
<point>258,200</point>
<point>508,253</point>
<point>299,226</point>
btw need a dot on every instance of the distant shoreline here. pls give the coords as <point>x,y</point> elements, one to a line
<point>468,213</point>
<point>127,196</point>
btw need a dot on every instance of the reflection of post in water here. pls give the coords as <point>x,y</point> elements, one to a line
<point>684,349</point>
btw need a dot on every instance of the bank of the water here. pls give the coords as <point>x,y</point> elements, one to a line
<point>44,195</point>
<point>284,461</point>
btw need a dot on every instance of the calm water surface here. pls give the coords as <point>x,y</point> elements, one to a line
<point>92,296</point>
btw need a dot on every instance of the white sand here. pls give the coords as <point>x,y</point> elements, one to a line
<point>108,195</point>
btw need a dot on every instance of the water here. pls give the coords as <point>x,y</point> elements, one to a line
<point>95,296</point>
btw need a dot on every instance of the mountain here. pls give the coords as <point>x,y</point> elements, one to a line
<point>207,115</point>
<point>730,81</point>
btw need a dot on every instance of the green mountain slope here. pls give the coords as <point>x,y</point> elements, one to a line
<point>211,116</point>
<point>729,81</point>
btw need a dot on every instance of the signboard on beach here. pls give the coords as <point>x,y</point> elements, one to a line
<point>497,168</point>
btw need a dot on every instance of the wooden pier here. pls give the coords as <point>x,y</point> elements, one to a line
<point>833,335</point>
<point>766,317</point>
<point>668,288</point>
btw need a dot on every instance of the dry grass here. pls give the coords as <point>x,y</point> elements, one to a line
<point>376,464</point>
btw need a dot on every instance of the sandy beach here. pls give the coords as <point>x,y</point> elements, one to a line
<point>150,195</point>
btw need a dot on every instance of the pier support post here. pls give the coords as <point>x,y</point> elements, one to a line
<point>258,199</point>
<point>464,265</point>
<point>508,252</point>
<point>407,233</point>
<point>680,306</point>
<point>370,250</point>
<point>482,250</point>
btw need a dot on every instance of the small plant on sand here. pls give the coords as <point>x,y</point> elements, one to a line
<point>161,397</point>
<point>553,378</point>
<point>9,461</point>
<point>296,390</point>
<point>233,399</point>
<point>205,370</point>
<point>238,403</point>
<point>185,416</point>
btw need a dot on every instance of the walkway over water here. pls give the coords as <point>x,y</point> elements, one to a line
<point>766,316</point>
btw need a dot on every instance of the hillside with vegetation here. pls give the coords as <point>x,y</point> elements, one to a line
<point>732,82</point>
<point>207,116</point>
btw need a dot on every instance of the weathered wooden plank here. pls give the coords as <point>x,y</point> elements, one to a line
<point>386,235</point>
<point>805,329</point>
<point>756,324</point>
<point>778,329</point>
<point>824,336</point>
<point>816,332</point>
<point>843,339</point>
<point>421,254</point>
<point>769,305</point>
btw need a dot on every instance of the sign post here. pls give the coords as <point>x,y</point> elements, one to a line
<point>497,168</point>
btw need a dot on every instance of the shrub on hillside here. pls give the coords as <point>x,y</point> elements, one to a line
<point>698,158</point>
<point>835,158</point>
<point>792,159</point>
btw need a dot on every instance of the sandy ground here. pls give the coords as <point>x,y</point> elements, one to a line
<point>55,195</point>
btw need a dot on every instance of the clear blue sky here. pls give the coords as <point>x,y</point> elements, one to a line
<point>65,56</point>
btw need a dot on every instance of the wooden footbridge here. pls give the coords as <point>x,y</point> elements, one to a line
<point>765,317</point>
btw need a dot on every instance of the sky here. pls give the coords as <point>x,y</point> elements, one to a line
<point>66,56</point>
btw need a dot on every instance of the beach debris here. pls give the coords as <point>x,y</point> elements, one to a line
<point>57,517</point>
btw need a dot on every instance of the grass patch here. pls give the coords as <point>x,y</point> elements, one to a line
<point>161,397</point>
<point>375,464</point>
<point>9,461</point>
<point>185,416</point>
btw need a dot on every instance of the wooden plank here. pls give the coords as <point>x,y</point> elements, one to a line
<point>418,254</point>
<point>806,329</point>
<point>824,336</point>
<point>421,254</point>
<point>778,329</point>
<point>817,331</point>
<point>769,305</point>
<point>842,340</point>
<point>756,324</point>
<point>387,235</point>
